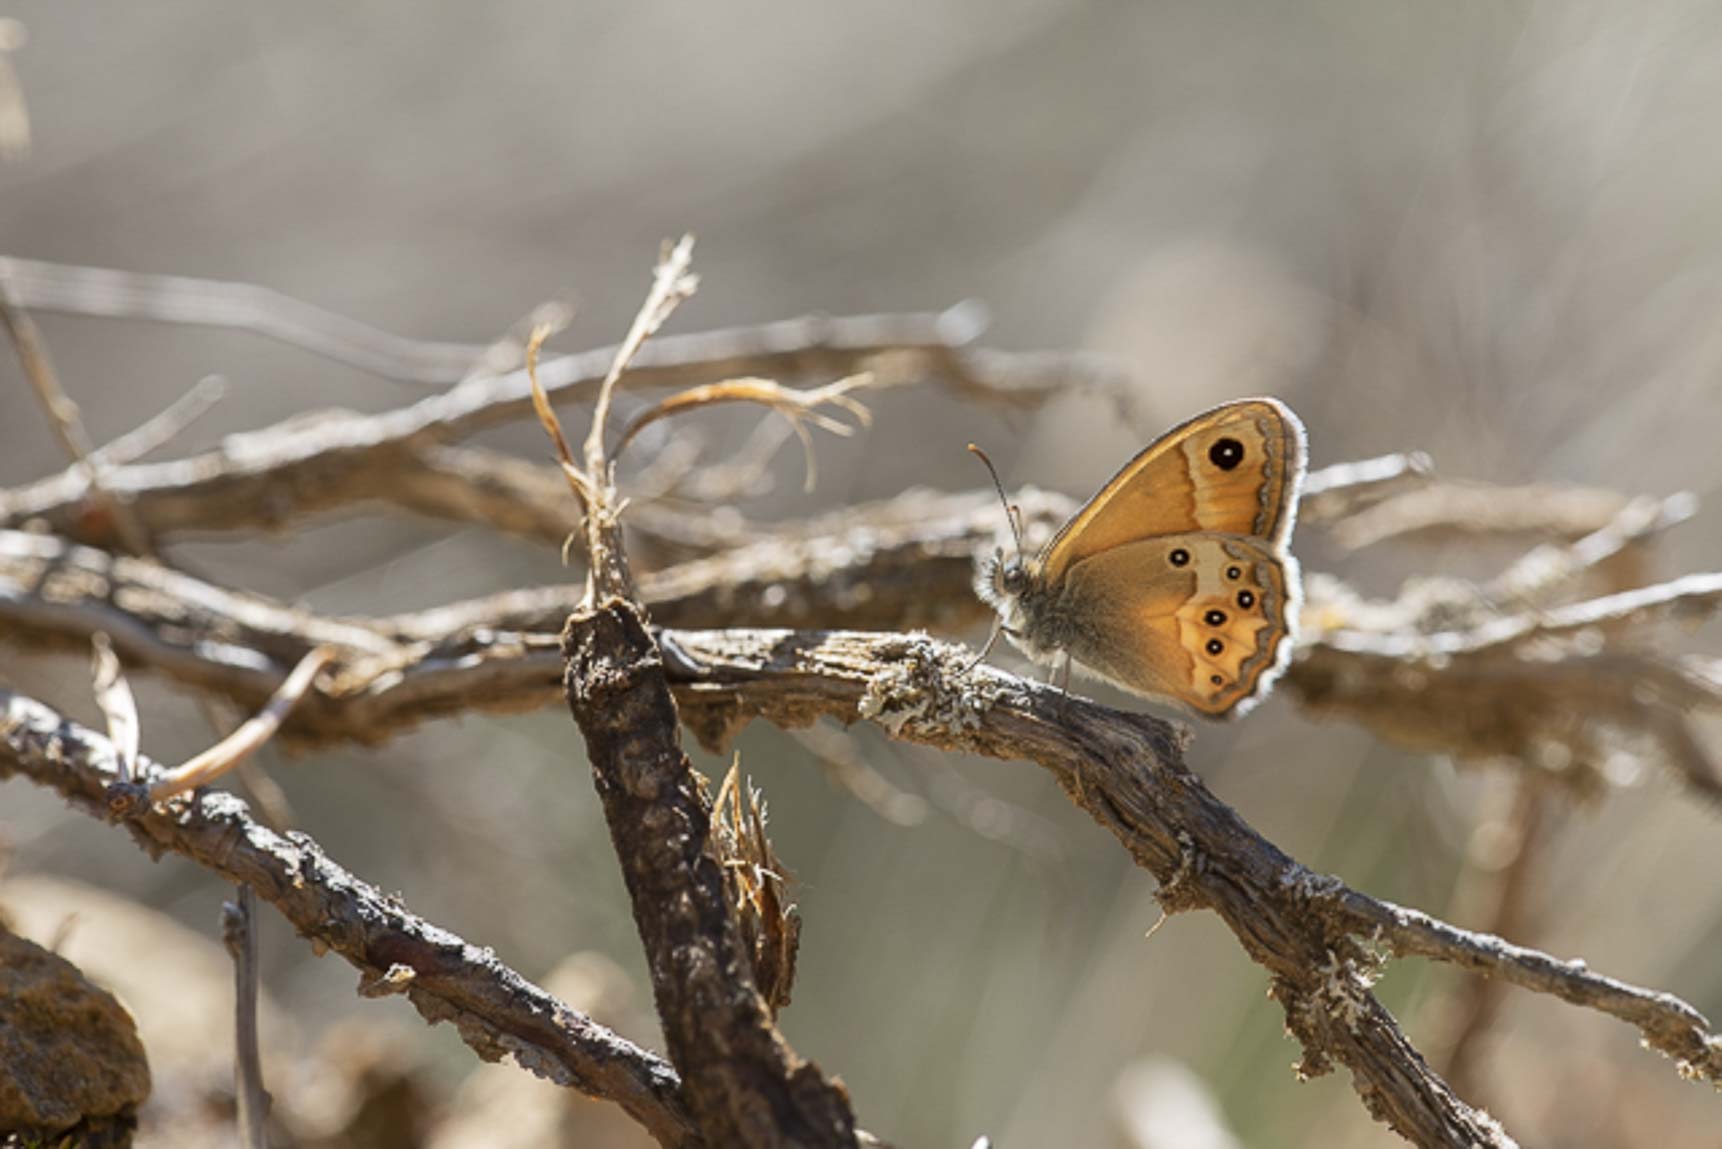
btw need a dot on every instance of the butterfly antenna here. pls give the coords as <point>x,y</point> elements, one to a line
<point>1013,514</point>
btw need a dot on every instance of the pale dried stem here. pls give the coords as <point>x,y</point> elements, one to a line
<point>249,738</point>
<point>672,283</point>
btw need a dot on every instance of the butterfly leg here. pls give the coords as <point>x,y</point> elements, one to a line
<point>992,639</point>
<point>1058,675</point>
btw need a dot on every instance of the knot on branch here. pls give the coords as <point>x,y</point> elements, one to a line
<point>926,685</point>
<point>1180,892</point>
<point>616,689</point>
<point>125,800</point>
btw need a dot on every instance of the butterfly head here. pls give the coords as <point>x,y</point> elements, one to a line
<point>1002,581</point>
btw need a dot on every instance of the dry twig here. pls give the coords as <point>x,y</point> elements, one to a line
<point>1437,667</point>
<point>743,1083</point>
<point>239,935</point>
<point>498,1012</point>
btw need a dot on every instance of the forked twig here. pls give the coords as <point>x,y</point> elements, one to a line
<point>63,415</point>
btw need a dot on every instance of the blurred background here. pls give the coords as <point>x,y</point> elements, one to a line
<point>1486,230</point>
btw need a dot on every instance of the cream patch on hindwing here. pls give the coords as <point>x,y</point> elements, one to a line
<point>1221,626</point>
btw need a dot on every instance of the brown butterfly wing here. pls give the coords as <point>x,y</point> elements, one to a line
<point>1233,470</point>
<point>1200,618</point>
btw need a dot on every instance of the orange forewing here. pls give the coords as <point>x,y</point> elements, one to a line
<point>1178,484</point>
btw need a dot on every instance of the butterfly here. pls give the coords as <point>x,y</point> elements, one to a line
<point>1175,581</point>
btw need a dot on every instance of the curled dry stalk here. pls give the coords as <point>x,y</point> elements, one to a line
<point>799,408</point>
<point>132,793</point>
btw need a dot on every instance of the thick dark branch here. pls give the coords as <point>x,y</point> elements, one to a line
<point>1127,771</point>
<point>498,1012</point>
<point>744,1084</point>
<point>791,678</point>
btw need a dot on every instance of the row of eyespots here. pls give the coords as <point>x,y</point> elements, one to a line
<point>1179,557</point>
<point>1246,598</point>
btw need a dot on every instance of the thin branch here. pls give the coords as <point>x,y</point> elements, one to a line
<point>239,935</point>
<point>793,678</point>
<point>266,479</point>
<point>162,428</point>
<point>224,756</point>
<point>1335,492</point>
<point>1470,509</point>
<point>118,706</point>
<point>672,283</point>
<point>931,343</point>
<point>110,294</point>
<point>798,408</point>
<point>1667,1023</point>
<point>497,1012</point>
<point>65,420</point>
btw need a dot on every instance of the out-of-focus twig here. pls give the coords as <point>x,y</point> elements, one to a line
<point>1566,690</point>
<point>1501,867</point>
<point>63,417</point>
<point>1333,492</point>
<point>103,292</point>
<point>497,1012</point>
<point>1548,568</point>
<point>163,427</point>
<point>239,935</point>
<point>266,479</point>
<point>1455,508</point>
<point>798,408</point>
<point>14,117</point>
<point>118,707</point>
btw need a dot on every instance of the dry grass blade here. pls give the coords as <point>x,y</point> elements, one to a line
<point>114,697</point>
<point>757,879</point>
<point>249,738</point>
<point>547,417</point>
<point>672,283</point>
<point>799,407</point>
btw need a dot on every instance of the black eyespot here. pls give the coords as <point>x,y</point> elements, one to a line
<point>1179,557</point>
<point>1234,572</point>
<point>1226,454</point>
<point>1215,646</point>
<point>1215,618</point>
<point>1246,599</point>
<point>1216,680</point>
